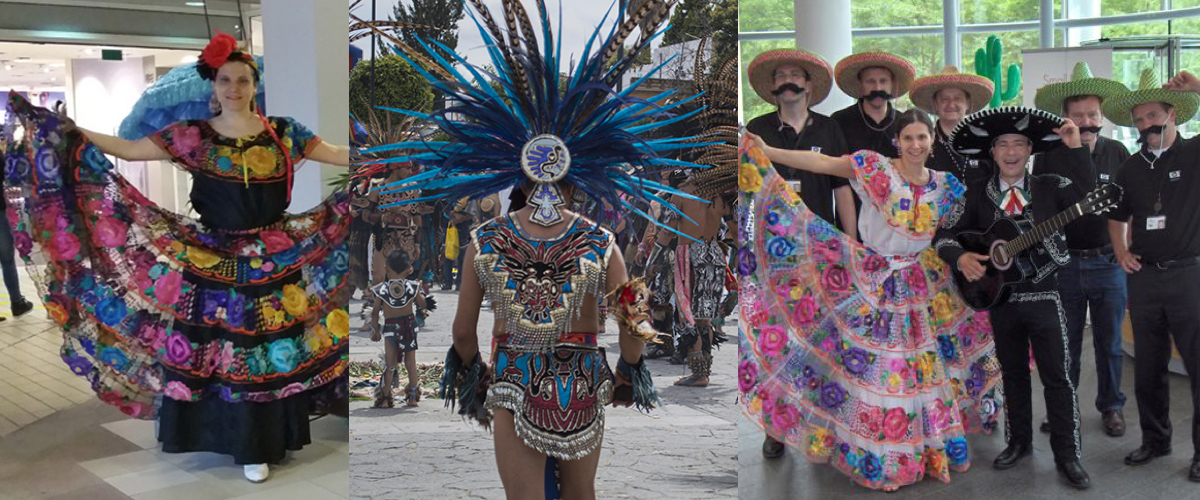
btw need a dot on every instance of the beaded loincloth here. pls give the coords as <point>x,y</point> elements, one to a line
<point>557,396</point>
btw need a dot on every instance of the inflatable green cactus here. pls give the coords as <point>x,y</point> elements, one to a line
<point>987,65</point>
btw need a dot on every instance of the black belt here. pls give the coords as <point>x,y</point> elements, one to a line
<point>1092,253</point>
<point>1175,264</point>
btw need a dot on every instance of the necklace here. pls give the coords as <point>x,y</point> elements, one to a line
<point>924,173</point>
<point>891,115</point>
<point>958,160</point>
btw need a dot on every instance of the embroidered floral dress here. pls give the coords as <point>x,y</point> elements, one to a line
<point>863,356</point>
<point>238,320</point>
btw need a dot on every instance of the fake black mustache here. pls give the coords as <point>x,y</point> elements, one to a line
<point>1094,130</point>
<point>878,94</point>
<point>786,87</point>
<point>1144,133</point>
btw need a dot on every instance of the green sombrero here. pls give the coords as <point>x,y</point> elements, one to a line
<point>1119,108</point>
<point>1051,97</point>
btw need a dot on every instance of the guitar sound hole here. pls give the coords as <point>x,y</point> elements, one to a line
<point>999,256</point>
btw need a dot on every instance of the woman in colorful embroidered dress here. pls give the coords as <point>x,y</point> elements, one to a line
<point>862,355</point>
<point>238,319</point>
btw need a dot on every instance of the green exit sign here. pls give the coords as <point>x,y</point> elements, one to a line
<point>111,55</point>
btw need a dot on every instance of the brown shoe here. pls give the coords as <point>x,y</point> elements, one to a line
<point>1114,423</point>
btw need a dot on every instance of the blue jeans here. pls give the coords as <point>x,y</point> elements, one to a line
<point>1098,283</point>
<point>8,262</point>
<point>449,280</point>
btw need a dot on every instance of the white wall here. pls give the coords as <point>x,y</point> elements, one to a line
<point>305,52</point>
<point>100,94</point>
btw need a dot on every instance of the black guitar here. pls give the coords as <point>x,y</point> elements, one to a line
<point>1007,243</point>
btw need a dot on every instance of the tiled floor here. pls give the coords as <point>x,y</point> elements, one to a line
<point>58,441</point>
<point>34,382</point>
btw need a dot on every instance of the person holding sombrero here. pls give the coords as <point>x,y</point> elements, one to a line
<point>873,79</point>
<point>951,95</point>
<point>1092,279</point>
<point>1160,182</point>
<point>1033,315</point>
<point>795,81</point>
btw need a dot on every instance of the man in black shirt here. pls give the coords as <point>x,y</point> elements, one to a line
<point>873,79</point>
<point>795,81</point>
<point>1161,183</point>
<point>1092,279</point>
<point>1032,316</point>
<point>951,96</point>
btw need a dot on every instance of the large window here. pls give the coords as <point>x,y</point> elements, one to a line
<point>762,15</point>
<point>925,52</point>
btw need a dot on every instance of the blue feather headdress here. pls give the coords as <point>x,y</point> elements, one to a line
<point>496,134</point>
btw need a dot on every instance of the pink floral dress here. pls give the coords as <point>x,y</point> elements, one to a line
<point>238,321</point>
<point>865,358</point>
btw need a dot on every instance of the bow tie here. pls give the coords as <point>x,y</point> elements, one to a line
<point>1013,201</point>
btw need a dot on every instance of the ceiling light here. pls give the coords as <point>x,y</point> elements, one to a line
<point>194,4</point>
<point>45,70</point>
<point>8,66</point>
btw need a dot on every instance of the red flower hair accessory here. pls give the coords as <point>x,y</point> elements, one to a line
<point>217,52</point>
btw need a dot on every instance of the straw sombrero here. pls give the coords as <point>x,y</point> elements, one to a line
<point>974,134</point>
<point>1119,108</point>
<point>846,72</point>
<point>762,73</point>
<point>979,89</point>
<point>1050,97</point>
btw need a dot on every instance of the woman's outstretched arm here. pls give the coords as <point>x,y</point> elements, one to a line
<point>142,149</point>
<point>805,160</point>
<point>325,152</point>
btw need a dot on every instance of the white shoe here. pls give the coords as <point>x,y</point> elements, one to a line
<point>257,473</point>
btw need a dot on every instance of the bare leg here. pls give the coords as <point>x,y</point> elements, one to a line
<point>414,378</point>
<point>389,374</point>
<point>410,364</point>
<point>579,477</point>
<point>522,469</point>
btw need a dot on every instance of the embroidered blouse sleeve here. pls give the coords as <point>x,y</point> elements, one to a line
<point>182,141</point>
<point>299,140</point>
<point>872,178</point>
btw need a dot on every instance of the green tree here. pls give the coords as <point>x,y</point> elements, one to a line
<point>724,25</point>
<point>766,15</point>
<point>690,20</point>
<point>444,14</point>
<point>397,85</point>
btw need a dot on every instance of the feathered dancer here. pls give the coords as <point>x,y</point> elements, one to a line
<point>378,132</point>
<point>719,121</point>
<point>538,129</point>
